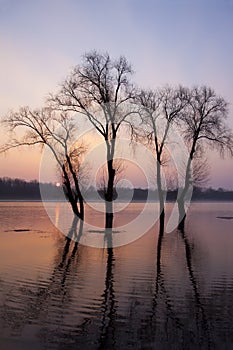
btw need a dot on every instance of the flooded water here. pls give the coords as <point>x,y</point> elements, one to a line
<point>163,291</point>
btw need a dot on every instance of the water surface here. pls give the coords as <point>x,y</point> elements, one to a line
<point>163,291</point>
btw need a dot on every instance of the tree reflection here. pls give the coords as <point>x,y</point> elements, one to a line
<point>72,237</point>
<point>165,323</point>
<point>108,309</point>
<point>196,290</point>
<point>160,292</point>
<point>41,301</point>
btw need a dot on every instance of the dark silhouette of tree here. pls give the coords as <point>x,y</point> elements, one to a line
<point>204,124</point>
<point>102,184</point>
<point>100,89</point>
<point>46,127</point>
<point>158,110</point>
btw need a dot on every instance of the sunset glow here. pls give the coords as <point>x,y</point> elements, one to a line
<point>32,65</point>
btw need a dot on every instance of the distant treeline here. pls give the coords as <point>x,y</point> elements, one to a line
<point>17,189</point>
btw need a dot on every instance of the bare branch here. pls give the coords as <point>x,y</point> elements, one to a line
<point>55,130</point>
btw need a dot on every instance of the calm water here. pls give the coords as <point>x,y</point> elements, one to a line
<point>163,291</point>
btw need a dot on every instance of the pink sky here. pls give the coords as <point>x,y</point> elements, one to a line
<point>38,51</point>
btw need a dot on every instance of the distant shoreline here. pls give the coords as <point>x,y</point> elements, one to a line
<point>16,190</point>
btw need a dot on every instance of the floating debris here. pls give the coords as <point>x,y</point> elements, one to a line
<point>19,230</point>
<point>225,217</point>
<point>103,231</point>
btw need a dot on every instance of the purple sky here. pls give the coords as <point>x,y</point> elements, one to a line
<point>167,41</point>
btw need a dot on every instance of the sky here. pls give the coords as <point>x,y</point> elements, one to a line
<point>167,41</point>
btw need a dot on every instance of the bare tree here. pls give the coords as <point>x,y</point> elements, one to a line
<point>204,124</point>
<point>46,127</point>
<point>159,109</point>
<point>100,89</point>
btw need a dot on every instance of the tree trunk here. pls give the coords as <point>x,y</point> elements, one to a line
<point>109,196</point>
<point>74,207</point>
<point>160,192</point>
<point>108,215</point>
<point>69,193</point>
<point>188,182</point>
<point>77,188</point>
<point>182,213</point>
<point>81,206</point>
